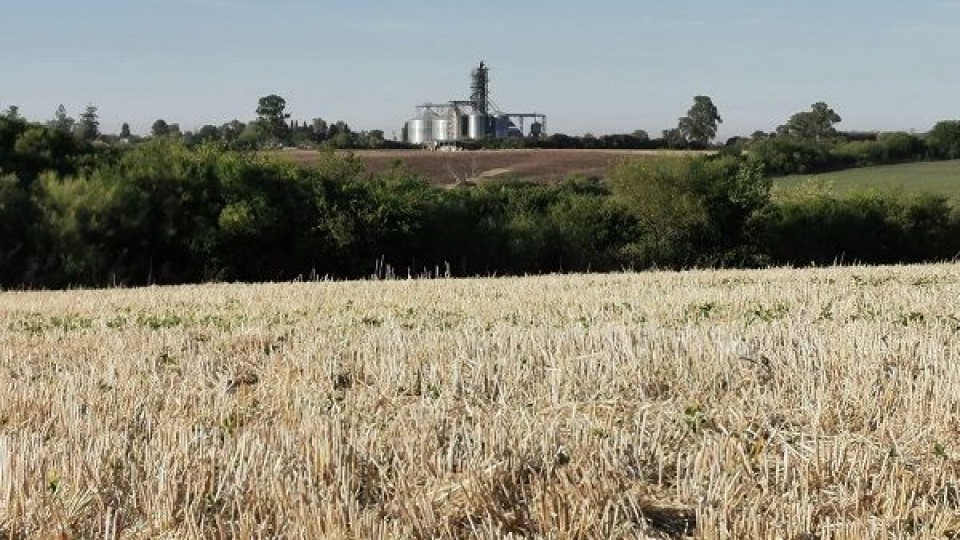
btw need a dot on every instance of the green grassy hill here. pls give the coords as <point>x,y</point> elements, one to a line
<point>939,177</point>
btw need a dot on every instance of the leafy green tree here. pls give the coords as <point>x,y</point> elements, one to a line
<point>40,148</point>
<point>319,127</point>
<point>301,136</point>
<point>272,118</point>
<point>660,195</point>
<point>208,133</point>
<point>589,229</point>
<point>231,130</point>
<point>674,138</point>
<point>900,146</point>
<point>88,127</point>
<point>10,130</point>
<point>75,212</point>
<point>62,121</point>
<point>18,216</point>
<point>148,217</point>
<point>817,124</point>
<point>694,210</point>
<point>160,128</point>
<point>944,139</point>
<point>275,219</point>
<point>788,155</point>
<point>340,141</point>
<point>867,227</point>
<point>250,136</point>
<point>700,124</point>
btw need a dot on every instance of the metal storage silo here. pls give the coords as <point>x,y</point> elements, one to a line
<point>476,126</point>
<point>420,130</point>
<point>416,134</point>
<point>443,129</point>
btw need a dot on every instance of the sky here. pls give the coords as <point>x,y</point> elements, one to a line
<point>599,66</point>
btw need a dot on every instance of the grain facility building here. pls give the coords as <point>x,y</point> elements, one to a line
<point>454,121</point>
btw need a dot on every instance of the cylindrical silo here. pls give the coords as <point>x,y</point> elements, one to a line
<point>417,131</point>
<point>443,129</point>
<point>476,126</point>
<point>420,129</point>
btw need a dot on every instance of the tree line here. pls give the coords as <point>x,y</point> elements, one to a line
<point>75,213</point>
<point>272,128</point>
<point>808,142</point>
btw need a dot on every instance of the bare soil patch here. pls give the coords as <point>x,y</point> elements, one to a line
<point>535,165</point>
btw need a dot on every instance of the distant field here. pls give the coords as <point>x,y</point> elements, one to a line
<point>534,165</point>
<point>940,178</point>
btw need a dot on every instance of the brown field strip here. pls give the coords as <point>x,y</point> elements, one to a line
<point>533,165</point>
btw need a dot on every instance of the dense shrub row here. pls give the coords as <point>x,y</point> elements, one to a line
<point>165,213</point>
<point>872,227</point>
<point>784,155</point>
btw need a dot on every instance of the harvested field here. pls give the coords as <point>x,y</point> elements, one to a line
<point>818,403</point>
<point>533,165</point>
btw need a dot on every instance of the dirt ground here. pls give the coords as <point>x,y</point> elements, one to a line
<point>536,165</point>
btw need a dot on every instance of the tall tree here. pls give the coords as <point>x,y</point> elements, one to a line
<point>231,130</point>
<point>320,128</point>
<point>12,112</point>
<point>88,128</point>
<point>62,121</point>
<point>271,116</point>
<point>700,123</point>
<point>673,138</point>
<point>208,133</point>
<point>160,128</point>
<point>813,125</point>
<point>944,139</point>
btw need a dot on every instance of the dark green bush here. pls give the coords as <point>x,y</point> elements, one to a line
<point>162,212</point>
<point>782,156</point>
<point>867,228</point>
<point>943,140</point>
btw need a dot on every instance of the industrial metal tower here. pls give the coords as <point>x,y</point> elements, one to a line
<point>480,89</point>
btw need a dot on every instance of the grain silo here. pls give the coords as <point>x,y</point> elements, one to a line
<point>455,121</point>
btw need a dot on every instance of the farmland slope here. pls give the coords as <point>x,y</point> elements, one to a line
<point>936,177</point>
<point>533,165</point>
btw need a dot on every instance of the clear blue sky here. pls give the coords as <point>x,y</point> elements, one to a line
<point>603,66</point>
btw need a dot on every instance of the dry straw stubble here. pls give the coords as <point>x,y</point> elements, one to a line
<point>720,404</point>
